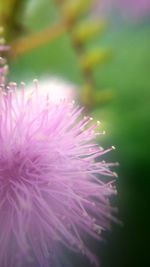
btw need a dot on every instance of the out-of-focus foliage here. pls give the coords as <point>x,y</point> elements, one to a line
<point>71,19</point>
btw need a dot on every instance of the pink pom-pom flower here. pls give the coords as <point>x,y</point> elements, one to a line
<point>51,193</point>
<point>52,188</point>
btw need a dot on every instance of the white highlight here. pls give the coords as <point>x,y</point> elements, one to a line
<point>58,89</point>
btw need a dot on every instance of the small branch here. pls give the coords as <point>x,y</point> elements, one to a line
<point>11,13</point>
<point>25,44</point>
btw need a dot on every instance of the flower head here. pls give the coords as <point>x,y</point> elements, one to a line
<point>52,188</point>
<point>51,191</point>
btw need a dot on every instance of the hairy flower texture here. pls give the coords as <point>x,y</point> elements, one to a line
<point>52,188</point>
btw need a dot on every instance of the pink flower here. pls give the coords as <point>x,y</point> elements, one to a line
<point>134,8</point>
<point>53,189</point>
<point>129,9</point>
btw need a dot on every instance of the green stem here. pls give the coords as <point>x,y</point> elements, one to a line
<point>11,13</point>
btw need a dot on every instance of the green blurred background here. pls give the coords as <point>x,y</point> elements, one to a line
<point>125,117</point>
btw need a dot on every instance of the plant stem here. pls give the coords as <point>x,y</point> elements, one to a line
<point>25,44</point>
<point>11,12</point>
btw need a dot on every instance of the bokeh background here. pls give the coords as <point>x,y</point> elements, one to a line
<point>121,86</point>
